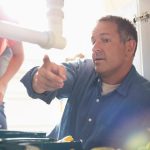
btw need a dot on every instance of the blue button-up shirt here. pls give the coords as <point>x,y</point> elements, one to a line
<point>98,120</point>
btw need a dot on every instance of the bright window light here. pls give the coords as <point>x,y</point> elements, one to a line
<point>30,13</point>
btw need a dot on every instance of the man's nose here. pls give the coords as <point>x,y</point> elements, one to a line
<point>96,47</point>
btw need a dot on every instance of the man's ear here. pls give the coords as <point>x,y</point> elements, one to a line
<point>131,46</point>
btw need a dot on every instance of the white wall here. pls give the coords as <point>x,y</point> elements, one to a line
<point>144,26</point>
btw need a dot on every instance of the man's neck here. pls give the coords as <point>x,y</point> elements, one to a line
<point>116,77</point>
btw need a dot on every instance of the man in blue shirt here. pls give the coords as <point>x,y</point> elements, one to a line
<point>108,101</point>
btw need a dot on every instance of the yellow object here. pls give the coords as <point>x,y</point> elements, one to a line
<point>68,138</point>
<point>102,148</point>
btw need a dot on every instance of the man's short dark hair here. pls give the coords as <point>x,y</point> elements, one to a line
<point>126,28</point>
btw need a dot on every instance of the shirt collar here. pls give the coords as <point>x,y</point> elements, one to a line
<point>126,83</point>
<point>124,87</point>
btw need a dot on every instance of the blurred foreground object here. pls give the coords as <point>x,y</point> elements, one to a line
<point>20,140</point>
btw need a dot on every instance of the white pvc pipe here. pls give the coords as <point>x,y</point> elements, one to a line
<point>44,39</point>
<point>49,39</point>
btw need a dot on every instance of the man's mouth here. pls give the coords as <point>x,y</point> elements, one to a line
<point>99,56</point>
<point>98,59</point>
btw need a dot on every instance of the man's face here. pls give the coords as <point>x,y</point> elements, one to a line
<point>109,53</point>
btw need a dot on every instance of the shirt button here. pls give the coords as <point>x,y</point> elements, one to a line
<point>90,120</point>
<point>97,100</point>
<point>98,80</point>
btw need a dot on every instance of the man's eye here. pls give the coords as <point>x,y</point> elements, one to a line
<point>93,41</point>
<point>104,40</point>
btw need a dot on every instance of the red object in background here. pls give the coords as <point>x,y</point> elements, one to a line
<point>3,45</point>
<point>3,41</point>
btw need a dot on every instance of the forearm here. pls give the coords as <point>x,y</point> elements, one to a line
<point>11,70</point>
<point>13,67</point>
<point>15,62</point>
